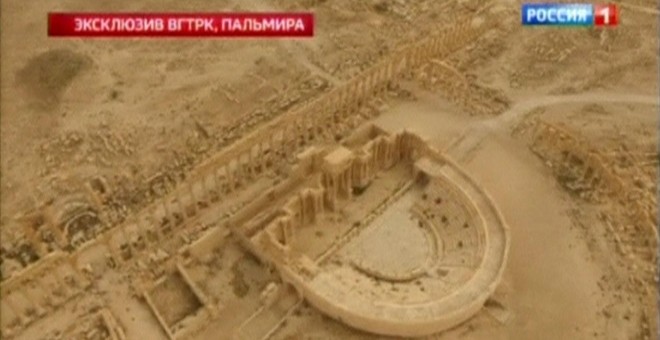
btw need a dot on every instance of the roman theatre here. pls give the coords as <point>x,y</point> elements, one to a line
<point>382,232</point>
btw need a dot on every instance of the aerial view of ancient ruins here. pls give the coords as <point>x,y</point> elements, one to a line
<point>417,169</point>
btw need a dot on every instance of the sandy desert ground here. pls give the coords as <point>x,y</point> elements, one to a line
<point>525,111</point>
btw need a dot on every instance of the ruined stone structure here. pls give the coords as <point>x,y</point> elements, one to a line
<point>591,172</point>
<point>463,235</point>
<point>322,180</point>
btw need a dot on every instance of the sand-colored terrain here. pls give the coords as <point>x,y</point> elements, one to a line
<point>108,228</point>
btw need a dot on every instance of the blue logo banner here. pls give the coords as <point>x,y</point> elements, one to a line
<point>535,14</point>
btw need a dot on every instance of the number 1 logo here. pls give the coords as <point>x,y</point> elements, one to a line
<point>606,15</point>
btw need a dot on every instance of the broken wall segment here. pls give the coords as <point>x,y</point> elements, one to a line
<point>595,172</point>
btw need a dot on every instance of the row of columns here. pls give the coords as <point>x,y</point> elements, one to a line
<point>303,210</point>
<point>382,153</point>
<point>34,241</point>
<point>41,305</point>
<point>233,175</point>
<point>350,95</point>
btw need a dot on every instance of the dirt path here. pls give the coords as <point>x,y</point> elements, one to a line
<point>551,286</point>
<point>470,139</point>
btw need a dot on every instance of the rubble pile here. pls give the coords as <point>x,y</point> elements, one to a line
<point>616,179</point>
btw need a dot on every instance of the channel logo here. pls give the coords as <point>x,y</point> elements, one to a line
<point>535,14</point>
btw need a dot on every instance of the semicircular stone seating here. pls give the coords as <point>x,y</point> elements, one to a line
<point>428,263</point>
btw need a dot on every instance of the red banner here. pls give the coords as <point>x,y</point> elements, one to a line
<point>180,24</point>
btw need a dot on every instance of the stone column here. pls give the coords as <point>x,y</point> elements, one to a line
<point>127,240</point>
<point>230,178</point>
<point>303,212</point>
<point>310,129</point>
<point>417,53</point>
<point>349,183</point>
<point>267,153</point>
<point>294,132</point>
<point>333,126</point>
<point>312,200</point>
<point>139,232</point>
<point>168,215</point>
<point>309,206</point>
<point>182,208</point>
<point>375,151</point>
<point>295,137</point>
<point>151,226</point>
<point>380,78</point>
<point>105,240</point>
<point>375,81</point>
<point>15,310</point>
<point>371,80</point>
<point>275,150</point>
<point>277,146</point>
<point>341,185</point>
<point>249,164</point>
<point>142,231</point>
<point>261,157</point>
<point>318,201</point>
<point>321,125</point>
<point>302,131</point>
<point>336,187</point>
<point>287,230</point>
<point>204,185</point>
<point>390,75</point>
<point>34,241</point>
<point>386,152</point>
<point>331,191</point>
<point>412,55</point>
<point>60,239</point>
<point>215,187</point>
<point>286,134</point>
<point>312,126</point>
<point>358,93</point>
<point>421,53</point>
<point>46,289</point>
<point>31,299</point>
<point>243,168</point>
<point>351,99</point>
<point>59,285</point>
<point>237,172</point>
<point>77,275</point>
<point>428,49</point>
<point>339,99</point>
